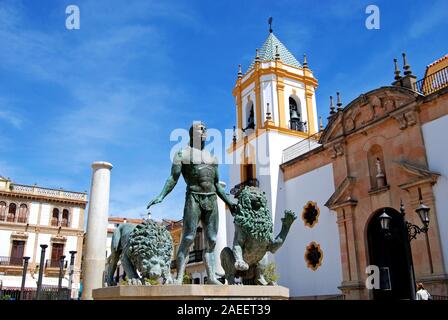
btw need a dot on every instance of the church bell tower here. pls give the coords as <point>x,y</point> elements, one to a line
<point>275,108</point>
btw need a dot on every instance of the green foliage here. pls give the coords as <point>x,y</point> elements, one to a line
<point>5,297</point>
<point>151,282</point>
<point>187,278</point>
<point>123,282</point>
<point>269,273</point>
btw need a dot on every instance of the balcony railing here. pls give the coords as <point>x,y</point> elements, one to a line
<point>47,293</point>
<point>22,219</point>
<point>301,147</point>
<point>248,183</point>
<point>11,261</point>
<point>54,263</point>
<point>432,82</point>
<point>20,188</point>
<point>195,256</point>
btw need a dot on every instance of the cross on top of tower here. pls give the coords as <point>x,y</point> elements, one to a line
<point>270,24</point>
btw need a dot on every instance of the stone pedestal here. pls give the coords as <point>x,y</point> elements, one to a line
<point>96,237</point>
<point>191,292</point>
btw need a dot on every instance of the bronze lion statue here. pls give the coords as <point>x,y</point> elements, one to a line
<point>253,238</point>
<point>146,247</point>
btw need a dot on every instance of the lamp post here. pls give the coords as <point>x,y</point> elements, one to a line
<point>25,267</point>
<point>71,271</point>
<point>410,232</point>
<point>41,270</point>
<point>61,275</point>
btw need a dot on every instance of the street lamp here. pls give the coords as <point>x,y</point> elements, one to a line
<point>423,213</point>
<point>385,221</point>
<point>410,230</point>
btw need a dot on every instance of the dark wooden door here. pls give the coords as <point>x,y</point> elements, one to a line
<point>17,251</point>
<point>56,252</point>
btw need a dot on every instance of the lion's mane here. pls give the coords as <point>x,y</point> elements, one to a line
<point>150,239</point>
<point>255,222</point>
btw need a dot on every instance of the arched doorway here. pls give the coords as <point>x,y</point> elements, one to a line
<point>392,255</point>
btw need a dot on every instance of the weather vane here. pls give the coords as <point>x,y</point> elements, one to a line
<point>270,24</point>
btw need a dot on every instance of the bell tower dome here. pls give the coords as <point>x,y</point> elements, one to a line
<point>275,77</point>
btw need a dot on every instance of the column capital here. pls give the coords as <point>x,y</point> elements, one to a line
<point>102,164</point>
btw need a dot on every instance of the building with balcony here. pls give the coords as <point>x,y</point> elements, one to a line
<point>31,216</point>
<point>195,268</point>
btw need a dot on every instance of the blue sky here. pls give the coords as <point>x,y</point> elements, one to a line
<point>115,89</point>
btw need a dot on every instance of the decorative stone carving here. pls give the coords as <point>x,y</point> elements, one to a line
<point>337,150</point>
<point>389,104</point>
<point>376,107</point>
<point>349,124</point>
<point>401,120</point>
<point>380,178</point>
<point>406,119</point>
<point>411,117</point>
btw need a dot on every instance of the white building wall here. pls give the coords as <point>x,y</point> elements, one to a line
<point>268,148</point>
<point>277,143</point>
<point>45,214</point>
<point>29,249</point>
<point>291,265</point>
<point>434,134</point>
<point>5,240</point>
<point>70,245</point>
<point>76,223</point>
<point>44,239</point>
<point>33,213</point>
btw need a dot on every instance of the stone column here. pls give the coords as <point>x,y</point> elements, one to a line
<point>96,237</point>
<point>221,237</point>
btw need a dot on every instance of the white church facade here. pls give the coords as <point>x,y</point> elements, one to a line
<point>329,176</point>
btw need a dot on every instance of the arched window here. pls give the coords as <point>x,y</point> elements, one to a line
<point>250,117</point>
<point>65,218</point>
<point>2,211</point>
<point>12,212</point>
<point>293,105</point>
<point>55,217</point>
<point>23,213</point>
<point>295,115</point>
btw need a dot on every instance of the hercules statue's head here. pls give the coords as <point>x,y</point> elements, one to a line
<point>198,134</point>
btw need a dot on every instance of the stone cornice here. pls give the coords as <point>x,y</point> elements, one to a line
<point>16,195</point>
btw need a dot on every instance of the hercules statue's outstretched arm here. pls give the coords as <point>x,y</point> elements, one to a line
<point>222,193</point>
<point>171,182</point>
